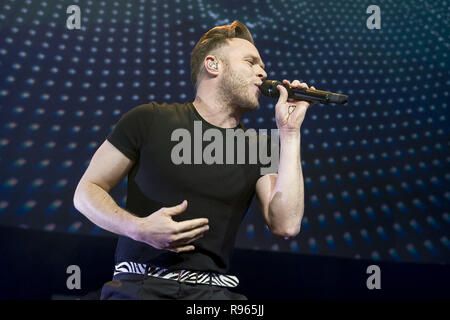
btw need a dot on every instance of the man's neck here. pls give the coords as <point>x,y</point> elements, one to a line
<point>218,114</point>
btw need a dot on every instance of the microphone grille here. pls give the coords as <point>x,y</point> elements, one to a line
<point>269,88</point>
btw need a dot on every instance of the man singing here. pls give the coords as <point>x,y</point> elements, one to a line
<point>178,229</point>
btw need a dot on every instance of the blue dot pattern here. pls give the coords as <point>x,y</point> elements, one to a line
<point>375,170</point>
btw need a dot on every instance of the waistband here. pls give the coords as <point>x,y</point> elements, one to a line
<point>186,276</point>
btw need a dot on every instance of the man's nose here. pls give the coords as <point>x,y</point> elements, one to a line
<point>262,74</point>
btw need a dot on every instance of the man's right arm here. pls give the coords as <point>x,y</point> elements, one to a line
<point>106,169</point>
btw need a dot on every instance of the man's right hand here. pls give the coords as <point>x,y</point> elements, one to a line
<point>161,232</point>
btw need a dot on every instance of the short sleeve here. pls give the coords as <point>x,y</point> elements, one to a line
<point>130,132</point>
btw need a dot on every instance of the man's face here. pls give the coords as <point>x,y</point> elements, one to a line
<point>242,75</point>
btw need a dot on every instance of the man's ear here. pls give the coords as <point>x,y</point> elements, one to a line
<point>211,65</point>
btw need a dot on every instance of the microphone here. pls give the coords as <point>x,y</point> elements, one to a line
<point>269,88</point>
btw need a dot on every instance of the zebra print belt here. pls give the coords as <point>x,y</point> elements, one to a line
<point>187,276</point>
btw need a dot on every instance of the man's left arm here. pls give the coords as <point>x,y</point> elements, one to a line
<point>281,196</point>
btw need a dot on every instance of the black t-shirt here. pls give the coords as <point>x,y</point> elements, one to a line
<point>220,192</point>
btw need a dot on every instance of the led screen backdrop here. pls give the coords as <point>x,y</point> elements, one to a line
<point>376,169</point>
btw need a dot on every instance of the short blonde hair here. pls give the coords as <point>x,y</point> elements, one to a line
<point>213,40</point>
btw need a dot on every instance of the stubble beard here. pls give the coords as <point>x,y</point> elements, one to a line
<point>235,91</point>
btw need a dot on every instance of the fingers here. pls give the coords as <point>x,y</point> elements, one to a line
<point>182,249</point>
<point>188,225</point>
<point>296,84</point>
<point>283,94</point>
<point>186,241</point>
<point>172,211</point>
<point>190,234</point>
<point>180,244</point>
<point>160,231</point>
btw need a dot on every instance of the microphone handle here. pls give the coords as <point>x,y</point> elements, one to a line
<point>312,95</point>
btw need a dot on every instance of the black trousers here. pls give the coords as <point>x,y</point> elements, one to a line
<point>127,286</point>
